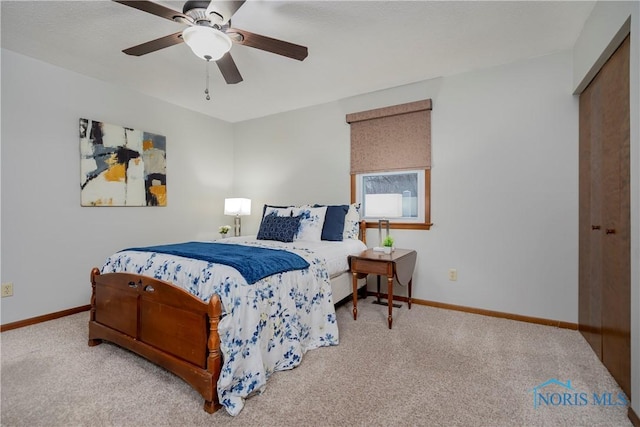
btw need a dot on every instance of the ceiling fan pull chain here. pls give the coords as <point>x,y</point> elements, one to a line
<point>206,91</point>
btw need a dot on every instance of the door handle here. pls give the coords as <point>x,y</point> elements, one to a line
<point>610,231</point>
<point>595,227</point>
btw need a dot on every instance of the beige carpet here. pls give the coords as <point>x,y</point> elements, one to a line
<point>435,368</point>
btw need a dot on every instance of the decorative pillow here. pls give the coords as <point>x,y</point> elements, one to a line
<point>311,224</point>
<point>352,222</point>
<point>333,228</point>
<point>279,210</point>
<point>280,228</point>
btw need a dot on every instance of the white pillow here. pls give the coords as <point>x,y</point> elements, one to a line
<point>311,223</point>
<point>352,222</point>
<point>279,211</point>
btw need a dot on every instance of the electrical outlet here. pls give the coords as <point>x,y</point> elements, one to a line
<point>453,274</point>
<point>7,289</point>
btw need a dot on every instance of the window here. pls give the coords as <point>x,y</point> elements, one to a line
<point>391,164</point>
<point>396,196</point>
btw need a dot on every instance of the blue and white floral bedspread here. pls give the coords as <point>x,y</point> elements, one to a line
<point>265,327</point>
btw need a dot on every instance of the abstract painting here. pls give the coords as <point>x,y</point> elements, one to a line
<point>121,166</point>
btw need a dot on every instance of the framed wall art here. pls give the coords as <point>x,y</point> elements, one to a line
<point>120,166</point>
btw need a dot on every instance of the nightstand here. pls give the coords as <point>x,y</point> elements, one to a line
<point>399,264</point>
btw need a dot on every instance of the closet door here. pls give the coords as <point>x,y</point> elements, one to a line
<point>605,251</point>
<point>616,237</point>
<point>590,220</point>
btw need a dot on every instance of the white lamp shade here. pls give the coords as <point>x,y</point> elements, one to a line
<point>206,42</point>
<point>237,206</point>
<point>383,205</point>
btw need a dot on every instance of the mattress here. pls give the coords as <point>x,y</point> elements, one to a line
<point>336,254</point>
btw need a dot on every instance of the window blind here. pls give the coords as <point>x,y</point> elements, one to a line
<point>391,138</point>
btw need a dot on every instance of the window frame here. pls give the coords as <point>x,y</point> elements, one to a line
<point>400,224</point>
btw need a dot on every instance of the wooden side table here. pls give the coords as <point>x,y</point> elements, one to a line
<point>399,264</point>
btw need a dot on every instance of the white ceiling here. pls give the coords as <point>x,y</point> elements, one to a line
<point>355,47</point>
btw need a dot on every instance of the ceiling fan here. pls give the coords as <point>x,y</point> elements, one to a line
<point>209,34</point>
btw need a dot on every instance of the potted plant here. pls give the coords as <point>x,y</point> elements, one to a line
<point>223,230</point>
<point>387,243</point>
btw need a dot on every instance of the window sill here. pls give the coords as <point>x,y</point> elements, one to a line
<point>403,225</point>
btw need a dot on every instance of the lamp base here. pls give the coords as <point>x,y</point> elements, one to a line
<point>236,226</point>
<point>382,222</point>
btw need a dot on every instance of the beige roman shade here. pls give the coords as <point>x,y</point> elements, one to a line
<point>391,138</point>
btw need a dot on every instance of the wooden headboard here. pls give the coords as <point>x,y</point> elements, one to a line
<point>363,231</point>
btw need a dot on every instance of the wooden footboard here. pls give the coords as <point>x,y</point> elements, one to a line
<point>161,323</point>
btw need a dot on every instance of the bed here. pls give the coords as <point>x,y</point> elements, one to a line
<point>221,331</point>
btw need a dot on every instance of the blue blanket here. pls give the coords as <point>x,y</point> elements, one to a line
<point>252,262</point>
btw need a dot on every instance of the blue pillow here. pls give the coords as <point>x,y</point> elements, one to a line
<point>280,228</point>
<point>333,227</point>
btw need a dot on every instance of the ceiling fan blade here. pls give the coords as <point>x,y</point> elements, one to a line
<point>156,9</point>
<point>228,68</point>
<point>278,47</point>
<point>224,9</point>
<point>153,45</point>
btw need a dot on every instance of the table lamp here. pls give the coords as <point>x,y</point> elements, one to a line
<point>383,207</point>
<point>237,207</point>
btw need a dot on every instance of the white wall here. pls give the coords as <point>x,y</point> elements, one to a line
<point>504,182</point>
<point>49,242</point>
<point>608,24</point>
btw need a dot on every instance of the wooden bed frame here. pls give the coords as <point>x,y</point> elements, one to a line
<point>162,323</point>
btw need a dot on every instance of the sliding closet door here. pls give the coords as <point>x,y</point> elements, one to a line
<point>616,273</point>
<point>590,221</point>
<point>605,250</point>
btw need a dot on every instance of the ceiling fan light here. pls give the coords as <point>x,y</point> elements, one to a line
<point>206,42</point>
